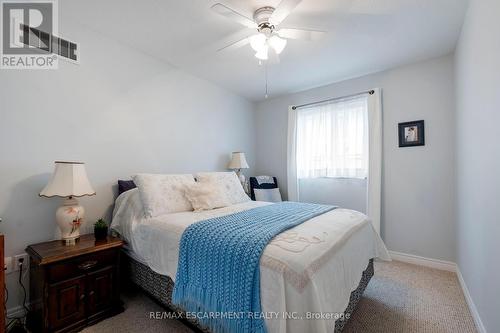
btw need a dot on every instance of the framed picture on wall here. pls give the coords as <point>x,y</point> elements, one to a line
<point>411,134</point>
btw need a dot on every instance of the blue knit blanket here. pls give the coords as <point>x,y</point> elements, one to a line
<point>218,275</point>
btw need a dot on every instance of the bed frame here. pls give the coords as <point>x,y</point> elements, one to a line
<point>160,287</point>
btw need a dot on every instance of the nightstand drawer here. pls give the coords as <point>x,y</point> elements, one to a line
<point>82,264</point>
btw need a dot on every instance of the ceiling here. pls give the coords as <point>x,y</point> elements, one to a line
<point>364,36</point>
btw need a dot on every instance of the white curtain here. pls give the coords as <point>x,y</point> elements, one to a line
<point>292,180</point>
<point>374,185</point>
<point>349,144</point>
<point>332,139</point>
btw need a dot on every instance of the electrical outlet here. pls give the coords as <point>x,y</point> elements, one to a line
<point>18,259</point>
<point>8,265</point>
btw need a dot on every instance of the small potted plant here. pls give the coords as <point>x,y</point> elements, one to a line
<point>100,229</point>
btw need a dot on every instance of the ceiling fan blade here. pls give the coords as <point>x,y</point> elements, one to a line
<point>233,15</point>
<point>284,9</point>
<point>301,34</point>
<point>235,45</point>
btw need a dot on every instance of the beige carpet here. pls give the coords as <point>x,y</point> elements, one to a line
<point>409,298</point>
<point>399,298</point>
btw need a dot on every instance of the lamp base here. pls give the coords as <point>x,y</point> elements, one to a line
<point>70,241</point>
<point>243,181</point>
<point>69,217</point>
<point>241,176</point>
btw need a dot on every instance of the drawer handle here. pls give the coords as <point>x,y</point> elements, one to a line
<point>87,265</point>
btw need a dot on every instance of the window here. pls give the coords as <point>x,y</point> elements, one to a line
<point>332,139</point>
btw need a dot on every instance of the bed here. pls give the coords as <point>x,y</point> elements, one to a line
<point>311,276</point>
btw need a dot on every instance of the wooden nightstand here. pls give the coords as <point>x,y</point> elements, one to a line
<point>73,286</point>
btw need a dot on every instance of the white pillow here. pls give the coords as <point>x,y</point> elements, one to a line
<point>163,194</point>
<point>229,182</point>
<point>269,195</point>
<point>206,196</point>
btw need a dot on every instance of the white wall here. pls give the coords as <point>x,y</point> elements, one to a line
<point>478,158</point>
<point>121,112</point>
<point>418,182</point>
<point>343,192</point>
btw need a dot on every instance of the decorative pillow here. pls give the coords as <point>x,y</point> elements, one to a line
<point>229,182</point>
<point>163,194</point>
<point>206,196</point>
<point>269,195</point>
<point>125,185</point>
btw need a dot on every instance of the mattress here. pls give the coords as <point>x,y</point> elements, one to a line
<point>308,271</point>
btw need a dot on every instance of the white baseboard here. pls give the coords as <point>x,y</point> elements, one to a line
<point>422,261</point>
<point>470,303</point>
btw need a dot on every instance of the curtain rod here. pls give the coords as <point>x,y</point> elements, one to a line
<point>295,107</point>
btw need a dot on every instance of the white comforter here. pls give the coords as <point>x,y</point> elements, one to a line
<point>306,272</point>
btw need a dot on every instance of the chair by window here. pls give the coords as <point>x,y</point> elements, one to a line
<point>264,188</point>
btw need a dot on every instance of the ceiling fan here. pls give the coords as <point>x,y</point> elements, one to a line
<point>269,40</point>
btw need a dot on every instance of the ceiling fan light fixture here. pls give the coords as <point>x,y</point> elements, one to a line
<point>258,41</point>
<point>277,43</point>
<point>262,54</point>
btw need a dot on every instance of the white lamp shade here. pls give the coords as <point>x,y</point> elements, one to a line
<point>277,43</point>
<point>238,161</point>
<point>263,53</point>
<point>258,41</point>
<point>69,180</point>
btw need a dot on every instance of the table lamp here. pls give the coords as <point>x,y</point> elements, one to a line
<point>69,181</point>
